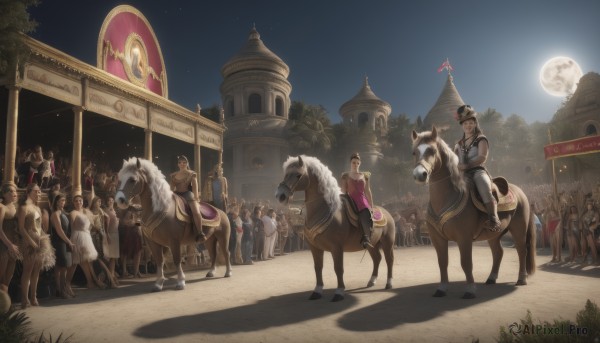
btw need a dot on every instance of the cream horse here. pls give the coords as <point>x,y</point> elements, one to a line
<point>452,216</point>
<point>160,224</point>
<point>328,227</point>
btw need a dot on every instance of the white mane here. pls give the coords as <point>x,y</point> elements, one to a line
<point>328,184</point>
<point>452,164</point>
<point>159,187</point>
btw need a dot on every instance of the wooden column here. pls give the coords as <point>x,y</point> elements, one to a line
<point>148,136</point>
<point>198,159</point>
<point>77,144</point>
<point>10,150</point>
<point>148,145</point>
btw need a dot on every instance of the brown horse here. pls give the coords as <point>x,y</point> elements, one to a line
<point>160,222</point>
<point>453,216</point>
<point>329,226</point>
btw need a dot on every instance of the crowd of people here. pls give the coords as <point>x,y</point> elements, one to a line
<point>107,244</point>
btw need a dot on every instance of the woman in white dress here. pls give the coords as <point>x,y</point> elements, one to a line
<point>83,251</point>
<point>111,242</point>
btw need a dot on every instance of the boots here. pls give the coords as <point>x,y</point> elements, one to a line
<point>366,224</point>
<point>200,236</point>
<point>493,222</point>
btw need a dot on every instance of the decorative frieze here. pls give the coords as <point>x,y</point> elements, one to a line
<point>168,125</point>
<point>209,139</point>
<point>117,108</point>
<point>53,85</point>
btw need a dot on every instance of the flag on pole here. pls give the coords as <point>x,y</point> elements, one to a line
<point>446,65</point>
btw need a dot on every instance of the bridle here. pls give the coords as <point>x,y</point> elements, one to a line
<point>129,194</point>
<point>290,190</point>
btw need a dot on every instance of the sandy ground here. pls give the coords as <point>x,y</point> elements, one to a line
<point>267,302</point>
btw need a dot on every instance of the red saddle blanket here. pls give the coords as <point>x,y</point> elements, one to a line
<point>210,214</point>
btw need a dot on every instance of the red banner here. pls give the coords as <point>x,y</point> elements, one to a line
<point>585,145</point>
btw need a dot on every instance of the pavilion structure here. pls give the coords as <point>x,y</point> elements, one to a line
<point>128,85</point>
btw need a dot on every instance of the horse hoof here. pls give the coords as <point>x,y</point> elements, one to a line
<point>156,289</point>
<point>337,297</point>
<point>371,284</point>
<point>468,295</point>
<point>521,283</point>
<point>210,274</point>
<point>388,286</point>
<point>315,296</point>
<point>180,287</point>
<point>490,282</point>
<point>228,274</point>
<point>438,293</point>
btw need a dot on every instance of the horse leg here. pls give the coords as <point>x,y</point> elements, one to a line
<point>388,253</point>
<point>224,248</point>
<point>441,249</point>
<point>338,266</point>
<point>521,247</point>
<point>176,251</point>
<point>466,262</point>
<point>497,254</point>
<point>158,253</point>
<point>376,257</point>
<point>211,246</point>
<point>318,264</point>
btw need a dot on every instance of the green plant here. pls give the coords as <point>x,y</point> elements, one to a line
<point>585,329</point>
<point>15,327</point>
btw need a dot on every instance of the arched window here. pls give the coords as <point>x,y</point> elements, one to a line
<point>363,120</point>
<point>254,103</point>
<point>591,130</point>
<point>230,108</point>
<point>279,106</point>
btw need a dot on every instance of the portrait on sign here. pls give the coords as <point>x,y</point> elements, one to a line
<point>136,60</point>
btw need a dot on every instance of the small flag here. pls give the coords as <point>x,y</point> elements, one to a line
<point>445,65</point>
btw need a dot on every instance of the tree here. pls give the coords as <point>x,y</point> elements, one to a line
<point>14,21</point>
<point>309,129</point>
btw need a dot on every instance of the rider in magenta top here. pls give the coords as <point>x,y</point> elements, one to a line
<point>356,191</point>
<point>357,186</point>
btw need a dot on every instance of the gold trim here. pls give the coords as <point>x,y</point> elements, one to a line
<point>102,50</point>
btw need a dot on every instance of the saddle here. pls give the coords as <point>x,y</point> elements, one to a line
<point>502,192</point>
<point>183,212</point>
<point>352,213</point>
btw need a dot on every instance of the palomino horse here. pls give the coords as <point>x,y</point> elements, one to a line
<point>453,216</point>
<point>163,223</point>
<point>329,227</point>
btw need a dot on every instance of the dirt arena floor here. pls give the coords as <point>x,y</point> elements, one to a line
<point>267,302</point>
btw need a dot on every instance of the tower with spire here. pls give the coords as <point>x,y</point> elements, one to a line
<point>442,113</point>
<point>367,116</point>
<point>256,99</point>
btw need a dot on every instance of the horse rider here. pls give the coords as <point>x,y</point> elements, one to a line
<point>184,182</point>
<point>472,151</point>
<point>357,186</point>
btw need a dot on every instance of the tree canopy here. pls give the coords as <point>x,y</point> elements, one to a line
<point>14,21</point>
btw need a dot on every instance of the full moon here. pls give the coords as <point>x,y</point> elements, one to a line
<point>559,76</point>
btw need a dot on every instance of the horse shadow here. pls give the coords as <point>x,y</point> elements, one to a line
<point>571,268</point>
<point>415,304</point>
<point>294,308</point>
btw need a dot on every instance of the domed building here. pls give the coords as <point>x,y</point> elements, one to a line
<point>256,99</point>
<point>442,113</point>
<point>367,115</point>
<point>578,118</point>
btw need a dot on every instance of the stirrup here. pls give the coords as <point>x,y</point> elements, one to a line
<point>201,237</point>
<point>493,224</point>
<point>366,242</point>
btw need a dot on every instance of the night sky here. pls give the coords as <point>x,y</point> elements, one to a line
<point>496,48</point>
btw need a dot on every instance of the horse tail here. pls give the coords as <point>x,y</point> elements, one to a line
<point>530,241</point>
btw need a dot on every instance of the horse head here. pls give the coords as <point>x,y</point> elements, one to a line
<point>295,178</point>
<point>426,154</point>
<point>131,183</point>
